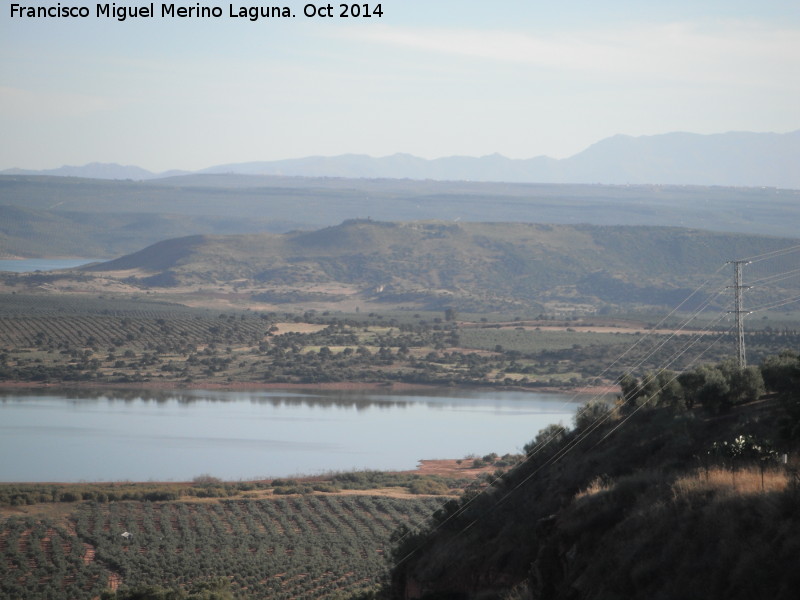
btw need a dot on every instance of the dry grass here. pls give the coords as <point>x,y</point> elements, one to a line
<point>59,512</point>
<point>726,483</point>
<point>598,485</point>
<point>717,482</point>
<point>298,328</point>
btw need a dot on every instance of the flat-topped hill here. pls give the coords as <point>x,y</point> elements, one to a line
<point>498,265</point>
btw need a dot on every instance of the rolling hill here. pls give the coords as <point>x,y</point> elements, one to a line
<point>58,216</point>
<point>433,264</point>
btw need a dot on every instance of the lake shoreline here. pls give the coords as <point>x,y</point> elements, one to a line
<point>258,432</point>
<point>355,386</point>
<point>442,467</point>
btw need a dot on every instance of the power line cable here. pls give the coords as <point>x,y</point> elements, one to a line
<point>559,454</point>
<point>599,421</point>
<point>661,389</point>
<point>558,457</point>
<point>697,312</point>
<point>773,254</point>
<point>669,362</point>
<point>774,278</point>
<point>775,304</point>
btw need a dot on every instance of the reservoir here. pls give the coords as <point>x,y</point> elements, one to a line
<point>177,435</point>
<point>30,265</point>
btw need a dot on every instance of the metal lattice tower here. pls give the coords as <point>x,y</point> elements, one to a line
<point>737,286</point>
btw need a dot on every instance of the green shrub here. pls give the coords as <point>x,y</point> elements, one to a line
<point>592,412</point>
<point>429,487</point>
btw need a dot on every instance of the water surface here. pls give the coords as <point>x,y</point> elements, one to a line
<point>30,265</point>
<point>141,436</point>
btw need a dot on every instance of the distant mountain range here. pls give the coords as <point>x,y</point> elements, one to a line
<point>727,159</point>
<point>98,170</point>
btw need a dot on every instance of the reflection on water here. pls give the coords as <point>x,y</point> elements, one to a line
<point>153,434</point>
<point>359,400</point>
<point>325,398</point>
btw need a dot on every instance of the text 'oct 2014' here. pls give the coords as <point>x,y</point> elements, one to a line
<point>121,12</point>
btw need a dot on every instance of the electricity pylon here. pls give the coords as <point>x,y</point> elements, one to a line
<point>737,286</point>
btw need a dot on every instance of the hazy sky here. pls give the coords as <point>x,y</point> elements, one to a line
<point>431,78</point>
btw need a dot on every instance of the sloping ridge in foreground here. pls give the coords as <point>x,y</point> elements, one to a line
<point>642,513</point>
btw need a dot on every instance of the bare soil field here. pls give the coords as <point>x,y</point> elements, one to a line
<point>455,468</point>
<point>298,328</point>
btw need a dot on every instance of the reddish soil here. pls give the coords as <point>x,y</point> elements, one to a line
<point>451,467</point>
<point>114,581</point>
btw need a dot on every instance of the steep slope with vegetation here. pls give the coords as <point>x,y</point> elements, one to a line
<point>652,499</point>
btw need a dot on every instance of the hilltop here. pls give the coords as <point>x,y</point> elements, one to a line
<point>374,302</point>
<point>61,216</point>
<point>433,265</point>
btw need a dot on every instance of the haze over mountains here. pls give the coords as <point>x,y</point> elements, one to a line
<point>106,217</point>
<point>727,159</point>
